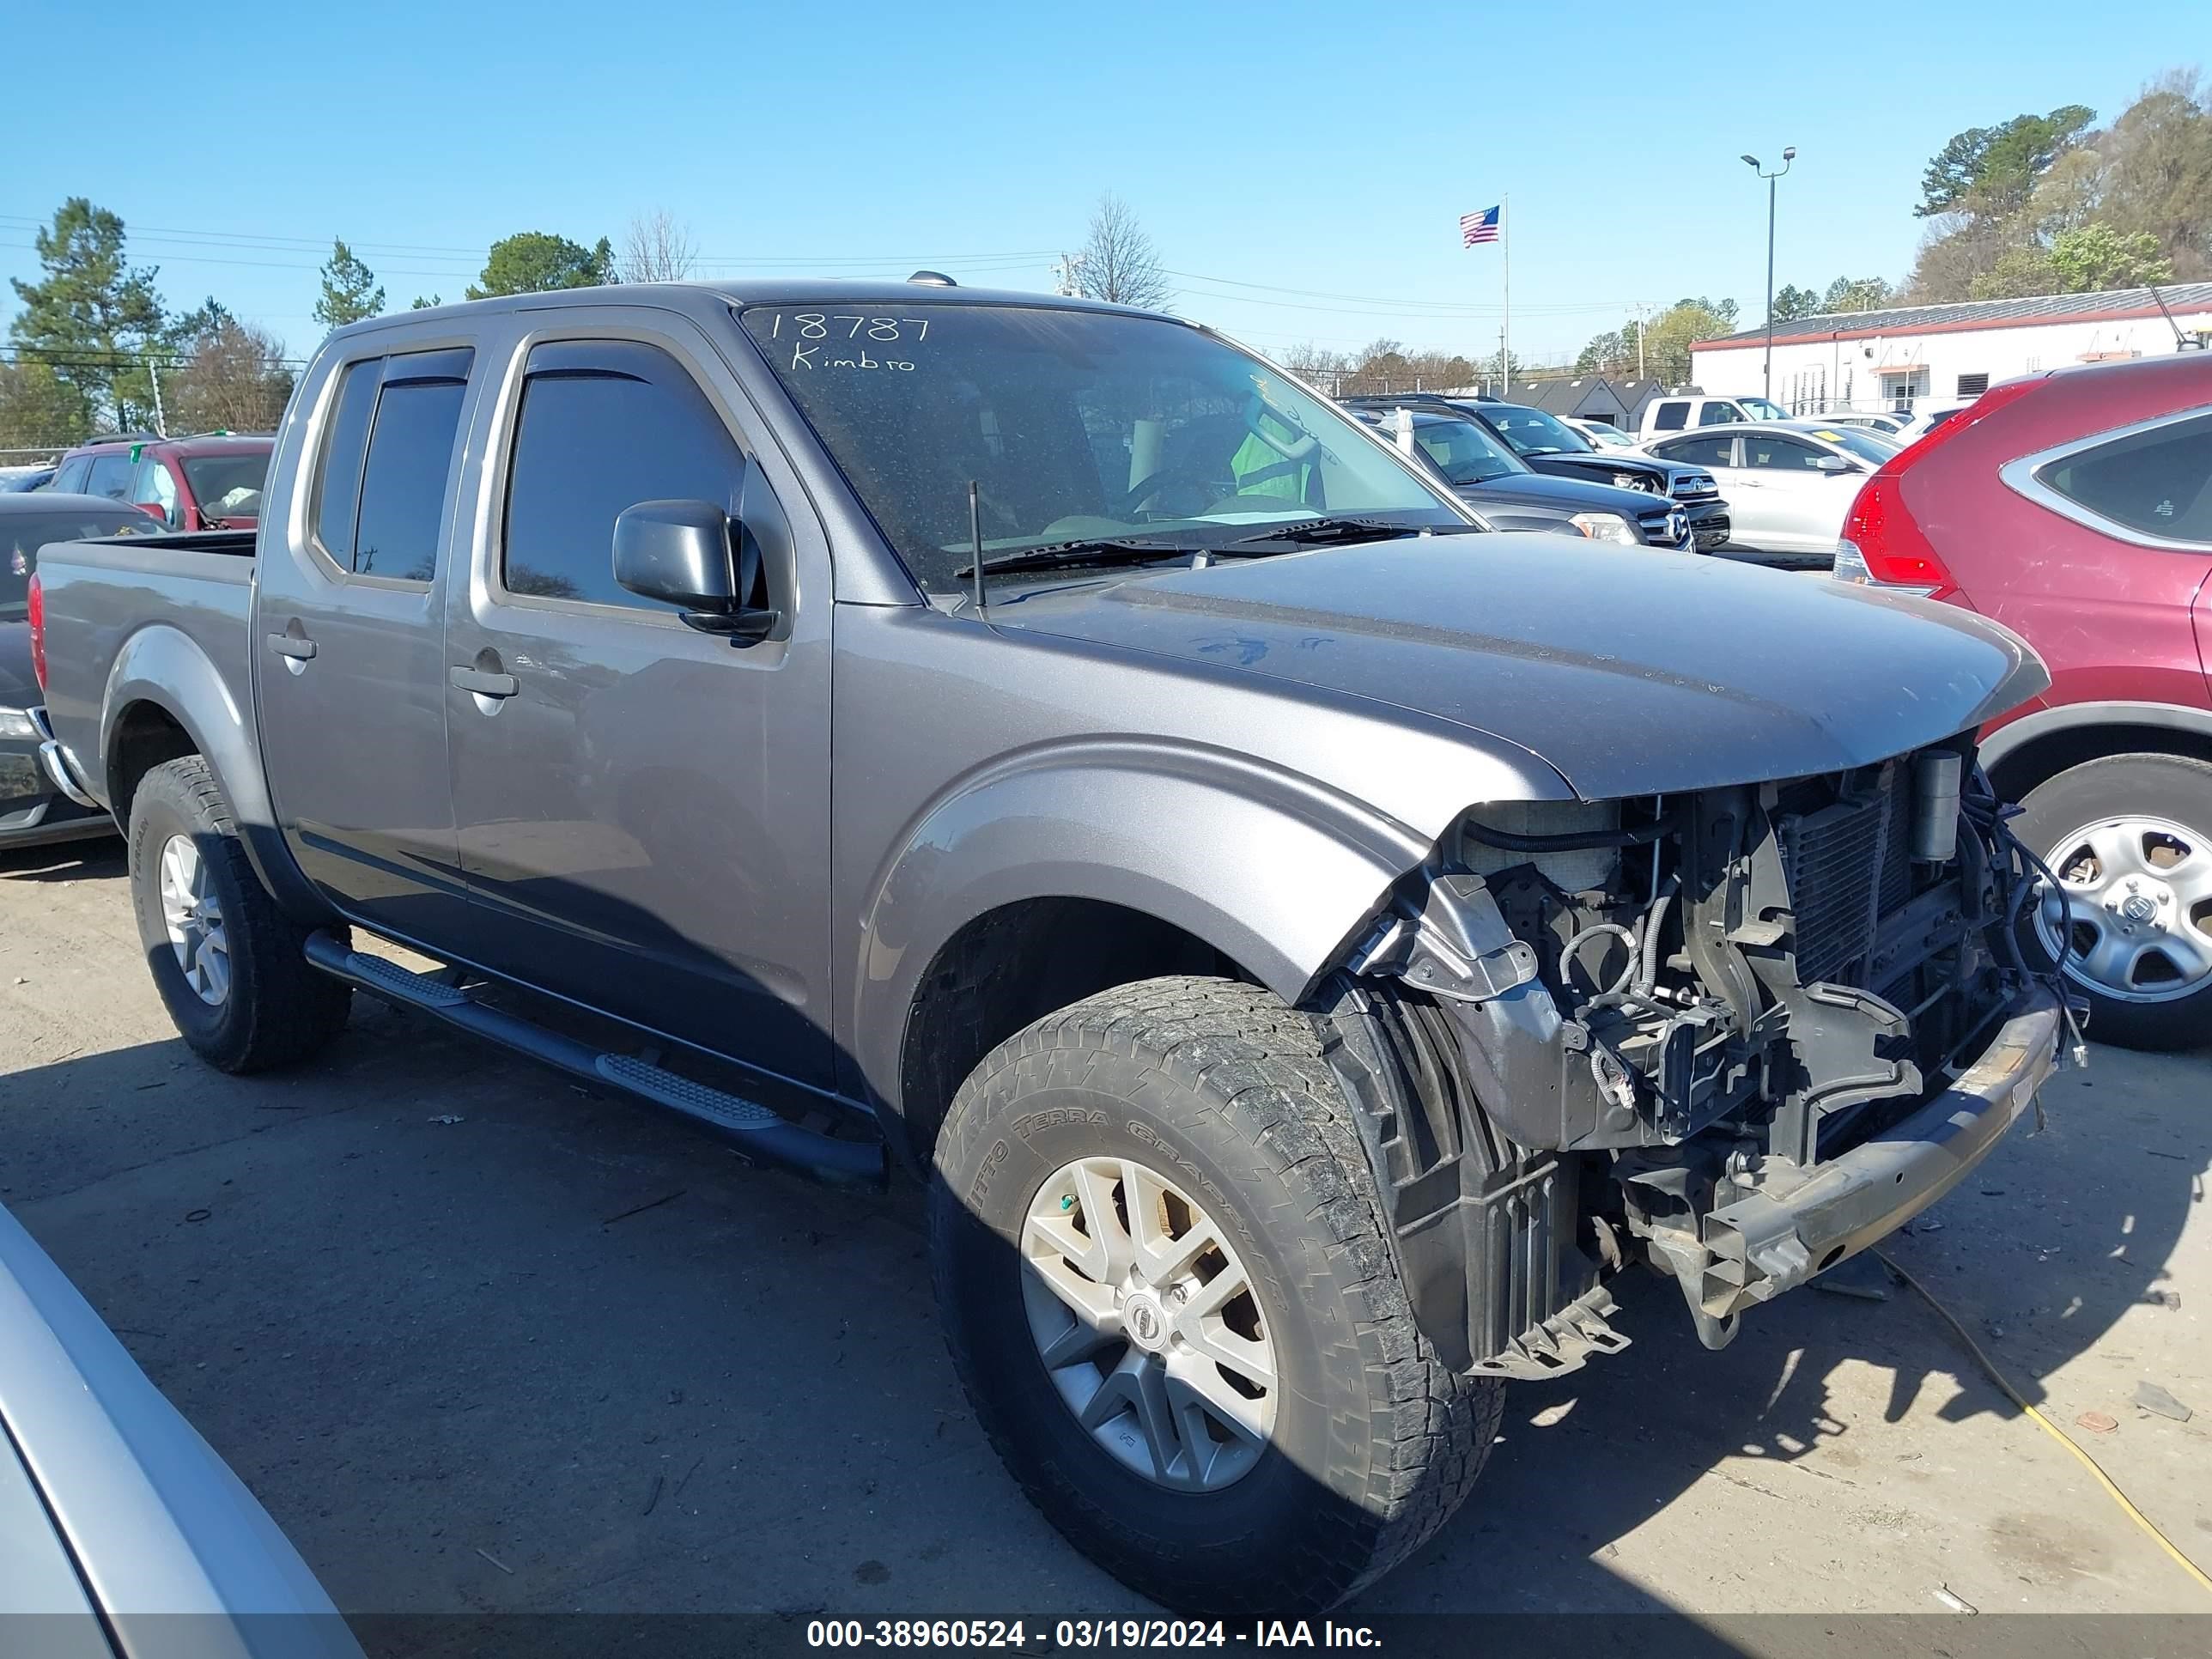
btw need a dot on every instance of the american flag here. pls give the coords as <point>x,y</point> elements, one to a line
<point>1475,228</point>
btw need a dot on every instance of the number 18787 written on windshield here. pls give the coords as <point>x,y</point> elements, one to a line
<point>829,339</point>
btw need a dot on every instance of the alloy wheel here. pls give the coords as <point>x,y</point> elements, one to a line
<point>1147,1321</point>
<point>192,914</point>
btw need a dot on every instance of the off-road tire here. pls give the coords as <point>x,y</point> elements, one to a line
<point>1224,1087</point>
<point>2173,788</point>
<point>278,1009</point>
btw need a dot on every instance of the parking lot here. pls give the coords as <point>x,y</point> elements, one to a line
<point>481,1340</point>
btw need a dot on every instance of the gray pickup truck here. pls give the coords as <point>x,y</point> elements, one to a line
<point>1311,947</point>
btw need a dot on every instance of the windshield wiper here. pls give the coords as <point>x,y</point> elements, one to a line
<point>1344,527</point>
<point>1100,550</point>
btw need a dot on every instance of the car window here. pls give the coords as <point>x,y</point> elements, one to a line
<point>226,486</point>
<point>337,479</point>
<point>1533,432</point>
<point>411,456</point>
<point>1718,415</point>
<point>110,475</point>
<point>157,487</point>
<point>1764,451</point>
<point>22,534</point>
<point>68,478</point>
<point>1464,452</point>
<point>1699,452</point>
<point>1671,418</point>
<point>2158,481</point>
<point>605,425</point>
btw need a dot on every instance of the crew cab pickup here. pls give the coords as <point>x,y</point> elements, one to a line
<point>1311,946</point>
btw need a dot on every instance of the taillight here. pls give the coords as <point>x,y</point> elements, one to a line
<point>1882,542</point>
<point>37,613</point>
<point>1886,543</point>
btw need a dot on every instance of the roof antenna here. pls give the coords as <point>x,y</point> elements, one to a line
<point>2181,342</point>
<point>975,540</point>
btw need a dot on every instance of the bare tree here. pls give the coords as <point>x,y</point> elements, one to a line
<point>658,249</point>
<point>234,379</point>
<point>1119,262</point>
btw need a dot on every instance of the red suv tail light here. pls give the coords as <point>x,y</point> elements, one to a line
<point>37,598</point>
<point>1882,543</point>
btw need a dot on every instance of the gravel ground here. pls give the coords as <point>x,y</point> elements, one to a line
<point>561,1354</point>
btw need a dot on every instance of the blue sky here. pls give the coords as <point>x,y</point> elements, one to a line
<point>1325,149</point>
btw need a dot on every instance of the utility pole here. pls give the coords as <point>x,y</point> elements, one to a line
<point>1505,254</point>
<point>1064,274</point>
<point>1789,155</point>
<point>154,371</point>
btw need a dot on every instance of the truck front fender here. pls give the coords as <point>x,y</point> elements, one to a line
<point>1272,869</point>
<point>162,668</point>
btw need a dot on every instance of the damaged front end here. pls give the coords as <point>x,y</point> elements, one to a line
<point>1736,1036</point>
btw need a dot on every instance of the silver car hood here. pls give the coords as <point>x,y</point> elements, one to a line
<point>1630,670</point>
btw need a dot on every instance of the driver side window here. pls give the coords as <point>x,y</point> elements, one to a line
<point>157,486</point>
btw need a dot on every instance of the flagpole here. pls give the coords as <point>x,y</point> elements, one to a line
<point>1505,252</point>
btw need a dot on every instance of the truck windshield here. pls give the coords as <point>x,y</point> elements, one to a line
<point>1073,426</point>
<point>1759,410</point>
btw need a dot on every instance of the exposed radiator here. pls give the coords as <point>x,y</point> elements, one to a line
<point>1848,866</point>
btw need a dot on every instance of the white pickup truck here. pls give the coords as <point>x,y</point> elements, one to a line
<point>1690,408</point>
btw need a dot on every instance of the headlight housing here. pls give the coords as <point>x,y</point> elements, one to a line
<point>1605,527</point>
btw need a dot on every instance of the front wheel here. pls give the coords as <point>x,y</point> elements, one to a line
<point>1160,1260</point>
<point>230,966</point>
<point>2129,838</point>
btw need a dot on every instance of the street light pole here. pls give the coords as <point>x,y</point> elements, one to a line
<point>1789,155</point>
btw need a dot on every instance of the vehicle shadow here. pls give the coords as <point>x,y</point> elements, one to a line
<point>486,1343</point>
<point>94,857</point>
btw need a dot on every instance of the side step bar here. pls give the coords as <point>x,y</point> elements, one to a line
<point>757,1133</point>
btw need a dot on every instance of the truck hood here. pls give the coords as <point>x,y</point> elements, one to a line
<point>1632,672</point>
<point>1568,495</point>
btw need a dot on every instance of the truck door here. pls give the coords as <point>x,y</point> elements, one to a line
<point>347,647</point>
<point>643,809</point>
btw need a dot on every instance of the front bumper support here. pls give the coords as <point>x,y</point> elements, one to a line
<point>1774,1239</point>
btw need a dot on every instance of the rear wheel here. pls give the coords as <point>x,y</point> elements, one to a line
<point>229,965</point>
<point>2129,838</point>
<point>1160,1257</point>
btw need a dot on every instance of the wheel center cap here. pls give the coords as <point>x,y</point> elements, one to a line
<point>2138,906</point>
<point>1146,1320</point>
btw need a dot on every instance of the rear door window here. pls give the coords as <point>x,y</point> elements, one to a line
<point>604,424</point>
<point>110,475</point>
<point>1699,452</point>
<point>2157,481</point>
<point>1671,418</point>
<point>387,459</point>
<point>409,462</point>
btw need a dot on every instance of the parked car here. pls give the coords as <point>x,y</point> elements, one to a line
<point>1310,946</point>
<point>1787,487</point>
<point>1604,436</point>
<point>1889,423</point>
<point>2076,506</point>
<point>1550,445</point>
<point>121,1531</point>
<point>208,482</point>
<point>1688,410</point>
<point>1483,470</point>
<point>34,811</point>
<point>15,479</point>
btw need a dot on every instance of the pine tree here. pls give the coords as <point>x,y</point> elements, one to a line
<point>351,290</point>
<point>93,318</point>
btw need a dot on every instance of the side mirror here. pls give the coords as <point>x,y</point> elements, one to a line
<point>1833,464</point>
<point>154,509</point>
<point>683,554</point>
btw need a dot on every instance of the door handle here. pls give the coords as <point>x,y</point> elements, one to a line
<point>291,645</point>
<point>484,685</point>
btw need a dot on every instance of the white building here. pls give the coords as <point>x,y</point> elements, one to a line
<point>1940,355</point>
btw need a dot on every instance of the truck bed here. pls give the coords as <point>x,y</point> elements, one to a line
<point>125,610</point>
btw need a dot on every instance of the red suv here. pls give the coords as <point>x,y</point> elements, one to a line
<point>209,482</point>
<point>2076,506</point>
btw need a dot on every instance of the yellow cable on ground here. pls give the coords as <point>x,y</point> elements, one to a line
<point>2051,1428</point>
